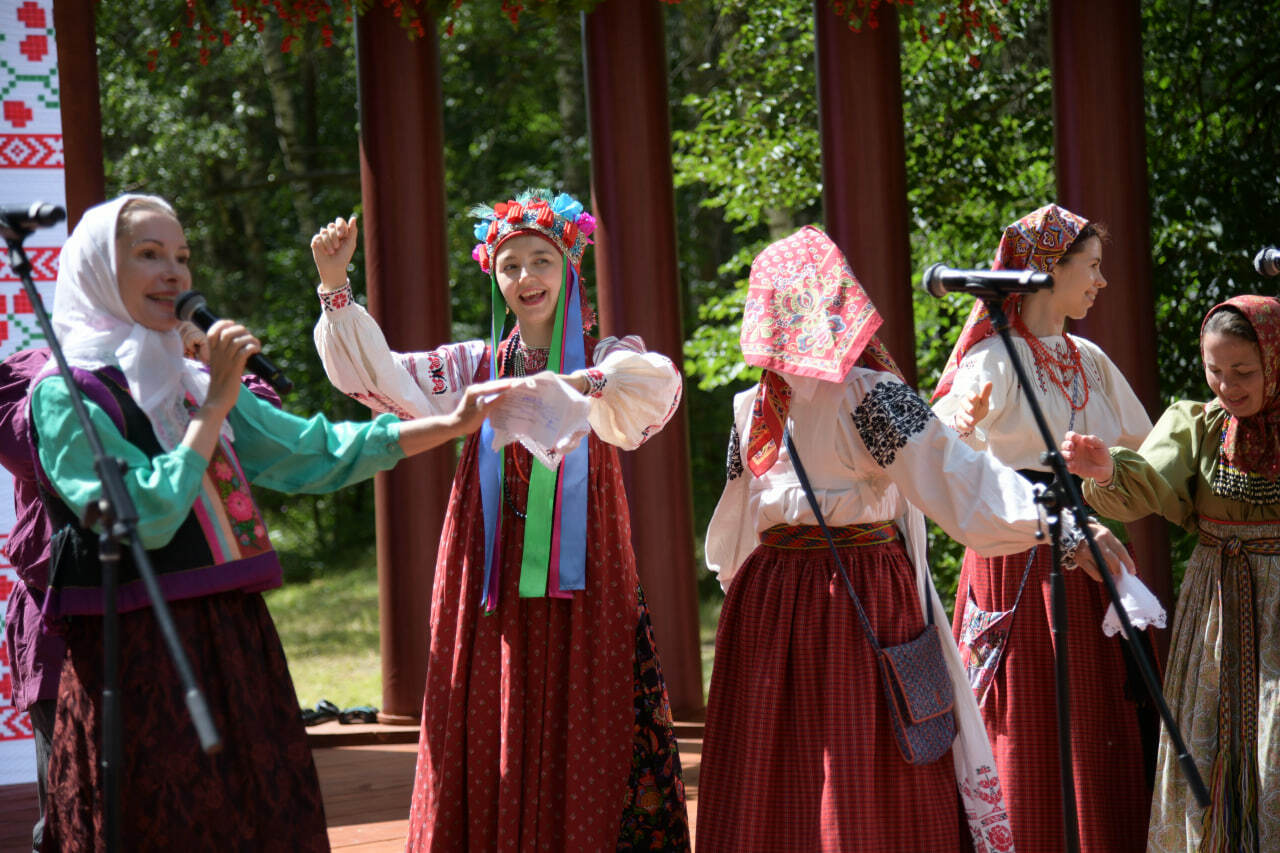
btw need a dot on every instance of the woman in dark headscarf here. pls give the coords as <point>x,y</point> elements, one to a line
<point>1002,619</point>
<point>1214,468</point>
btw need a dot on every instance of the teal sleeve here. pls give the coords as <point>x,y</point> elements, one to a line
<point>163,489</point>
<point>289,454</point>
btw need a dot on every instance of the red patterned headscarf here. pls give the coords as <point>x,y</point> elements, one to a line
<point>806,315</point>
<point>1036,241</point>
<point>1252,444</point>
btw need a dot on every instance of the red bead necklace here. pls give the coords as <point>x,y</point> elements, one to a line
<point>1055,368</point>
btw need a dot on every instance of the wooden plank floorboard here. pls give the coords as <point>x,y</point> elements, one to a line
<point>366,791</point>
<point>18,811</point>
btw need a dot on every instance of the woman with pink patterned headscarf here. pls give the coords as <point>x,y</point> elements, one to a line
<point>1002,615</point>
<point>799,751</point>
<point>1215,468</point>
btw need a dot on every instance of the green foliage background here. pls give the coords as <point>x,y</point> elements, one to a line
<point>259,148</point>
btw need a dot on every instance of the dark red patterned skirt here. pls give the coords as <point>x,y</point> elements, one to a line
<point>799,753</point>
<point>1108,759</point>
<point>545,724</point>
<point>260,792</point>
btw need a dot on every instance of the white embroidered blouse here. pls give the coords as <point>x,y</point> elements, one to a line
<point>873,451</point>
<point>1113,412</point>
<point>640,394</point>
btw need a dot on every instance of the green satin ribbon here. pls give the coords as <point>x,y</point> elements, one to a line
<point>540,513</point>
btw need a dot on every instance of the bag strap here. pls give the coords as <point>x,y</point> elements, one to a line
<point>835,552</point>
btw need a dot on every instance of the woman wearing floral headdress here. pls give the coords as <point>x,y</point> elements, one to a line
<point>546,723</point>
<point>799,751</point>
<point>1215,468</point>
<point>1002,613</point>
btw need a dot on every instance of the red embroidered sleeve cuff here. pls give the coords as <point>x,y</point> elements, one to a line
<point>595,382</point>
<point>334,300</point>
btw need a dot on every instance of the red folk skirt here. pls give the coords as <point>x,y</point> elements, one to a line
<point>1113,799</point>
<point>799,753</point>
<point>260,792</point>
<point>532,730</point>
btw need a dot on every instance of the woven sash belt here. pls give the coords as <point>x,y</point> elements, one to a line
<point>809,537</point>
<point>1231,822</point>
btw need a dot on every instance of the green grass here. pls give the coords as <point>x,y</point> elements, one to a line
<point>708,618</point>
<point>329,628</point>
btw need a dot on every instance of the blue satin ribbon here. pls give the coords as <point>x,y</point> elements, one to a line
<point>573,468</point>
<point>490,462</point>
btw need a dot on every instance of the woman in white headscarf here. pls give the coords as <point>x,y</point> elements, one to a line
<point>192,441</point>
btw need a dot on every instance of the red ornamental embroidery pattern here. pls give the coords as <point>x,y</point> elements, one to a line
<point>28,72</point>
<point>31,151</point>
<point>435,366</point>
<point>17,113</point>
<point>334,300</point>
<point>32,15</point>
<point>246,524</point>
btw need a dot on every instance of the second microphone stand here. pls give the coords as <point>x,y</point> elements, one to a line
<point>1065,495</point>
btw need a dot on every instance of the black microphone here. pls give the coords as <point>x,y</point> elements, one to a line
<point>16,221</point>
<point>1267,261</point>
<point>985,284</point>
<point>191,307</point>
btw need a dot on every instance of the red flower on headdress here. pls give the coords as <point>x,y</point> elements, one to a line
<point>546,216</point>
<point>515,212</point>
<point>570,233</point>
<point>501,208</point>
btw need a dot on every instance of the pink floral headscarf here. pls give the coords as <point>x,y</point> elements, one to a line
<point>808,316</point>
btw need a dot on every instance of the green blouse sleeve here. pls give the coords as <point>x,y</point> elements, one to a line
<point>286,453</point>
<point>1160,476</point>
<point>163,489</point>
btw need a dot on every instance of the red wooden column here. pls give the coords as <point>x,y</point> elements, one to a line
<point>406,262</point>
<point>639,293</point>
<point>1102,174</point>
<point>81,111</point>
<point>864,179</point>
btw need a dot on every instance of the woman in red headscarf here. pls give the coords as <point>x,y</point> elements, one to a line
<point>545,724</point>
<point>1215,468</point>
<point>1002,616</point>
<point>799,751</point>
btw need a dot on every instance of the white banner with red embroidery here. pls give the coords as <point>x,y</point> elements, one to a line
<point>31,169</point>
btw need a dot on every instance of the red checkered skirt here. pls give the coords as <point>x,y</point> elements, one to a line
<point>1112,797</point>
<point>799,753</point>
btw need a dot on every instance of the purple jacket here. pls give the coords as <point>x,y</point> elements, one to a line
<point>36,657</point>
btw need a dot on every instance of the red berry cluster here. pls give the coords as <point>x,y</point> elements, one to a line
<point>962,20</point>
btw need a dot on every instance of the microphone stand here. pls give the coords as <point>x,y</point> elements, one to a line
<point>119,519</point>
<point>1065,494</point>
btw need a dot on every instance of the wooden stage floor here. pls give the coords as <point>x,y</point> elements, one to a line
<point>366,790</point>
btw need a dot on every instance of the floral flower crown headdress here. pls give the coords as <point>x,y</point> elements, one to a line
<point>562,220</point>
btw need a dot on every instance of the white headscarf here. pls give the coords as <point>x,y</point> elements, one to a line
<point>95,330</point>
